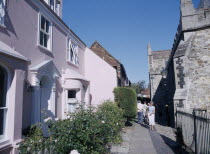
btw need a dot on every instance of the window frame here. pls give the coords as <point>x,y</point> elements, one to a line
<point>55,7</point>
<point>71,106</point>
<point>3,22</point>
<point>49,46</point>
<point>5,137</point>
<point>75,51</point>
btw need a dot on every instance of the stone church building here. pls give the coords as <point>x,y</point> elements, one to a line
<point>185,80</point>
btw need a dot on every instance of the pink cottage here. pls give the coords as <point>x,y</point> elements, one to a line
<point>45,69</point>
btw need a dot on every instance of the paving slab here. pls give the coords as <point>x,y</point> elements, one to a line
<point>141,142</point>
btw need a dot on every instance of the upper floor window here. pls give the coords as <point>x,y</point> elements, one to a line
<point>72,52</point>
<point>2,11</point>
<point>45,32</point>
<point>54,5</point>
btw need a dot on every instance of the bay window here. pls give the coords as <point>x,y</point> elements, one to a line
<point>2,11</point>
<point>45,32</point>
<point>72,52</point>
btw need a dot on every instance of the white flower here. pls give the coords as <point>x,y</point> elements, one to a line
<point>102,121</point>
<point>28,148</point>
<point>40,140</point>
<point>117,124</point>
<point>56,141</point>
<point>47,119</point>
<point>74,152</point>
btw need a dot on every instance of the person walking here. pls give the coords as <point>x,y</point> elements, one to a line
<point>140,113</point>
<point>151,115</point>
<point>145,107</point>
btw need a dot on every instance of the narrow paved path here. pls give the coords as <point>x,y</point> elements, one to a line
<point>140,140</point>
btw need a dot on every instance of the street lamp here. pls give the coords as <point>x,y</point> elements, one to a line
<point>164,73</point>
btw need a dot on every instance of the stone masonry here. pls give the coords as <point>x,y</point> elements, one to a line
<point>187,84</point>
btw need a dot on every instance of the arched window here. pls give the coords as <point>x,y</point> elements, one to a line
<point>3,105</point>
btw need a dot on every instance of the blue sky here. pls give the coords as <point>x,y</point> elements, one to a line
<point>125,27</point>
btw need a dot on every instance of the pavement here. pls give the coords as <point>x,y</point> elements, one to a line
<point>138,139</point>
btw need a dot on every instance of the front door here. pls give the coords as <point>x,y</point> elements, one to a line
<point>46,98</point>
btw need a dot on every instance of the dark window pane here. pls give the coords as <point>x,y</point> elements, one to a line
<point>71,55</point>
<point>52,4</point>
<point>71,94</point>
<point>45,40</point>
<point>47,26</point>
<point>2,123</point>
<point>41,38</point>
<point>42,23</point>
<point>3,86</point>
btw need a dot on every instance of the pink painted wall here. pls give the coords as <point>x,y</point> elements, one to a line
<point>21,33</point>
<point>102,77</point>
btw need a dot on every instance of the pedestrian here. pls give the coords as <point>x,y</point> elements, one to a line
<point>145,107</point>
<point>140,112</point>
<point>151,115</point>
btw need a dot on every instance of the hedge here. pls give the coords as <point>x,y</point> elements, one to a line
<point>127,100</point>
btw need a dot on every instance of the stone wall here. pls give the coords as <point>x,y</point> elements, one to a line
<point>198,70</point>
<point>157,62</point>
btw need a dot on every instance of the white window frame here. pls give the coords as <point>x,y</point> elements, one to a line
<point>72,45</point>
<point>2,13</point>
<point>55,7</point>
<point>49,43</point>
<point>71,103</point>
<point>5,137</point>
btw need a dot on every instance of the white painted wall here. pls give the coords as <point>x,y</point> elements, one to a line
<point>102,77</point>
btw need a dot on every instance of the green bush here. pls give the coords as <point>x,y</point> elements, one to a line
<point>87,131</point>
<point>34,142</point>
<point>126,99</point>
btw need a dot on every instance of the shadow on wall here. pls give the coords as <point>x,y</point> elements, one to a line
<point>164,107</point>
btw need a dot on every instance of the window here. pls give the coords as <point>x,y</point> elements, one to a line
<point>54,5</point>
<point>3,106</point>
<point>72,94</point>
<point>72,52</point>
<point>45,32</point>
<point>72,101</point>
<point>2,11</point>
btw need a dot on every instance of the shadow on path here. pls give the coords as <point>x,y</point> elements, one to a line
<point>165,145</point>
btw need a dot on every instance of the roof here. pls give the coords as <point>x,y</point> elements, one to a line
<point>48,65</point>
<point>204,4</point>
<point>117,61</point>
<point>160,54</point>
<point>5,49</point>
<point>146,91</point>
<point>96,42</point>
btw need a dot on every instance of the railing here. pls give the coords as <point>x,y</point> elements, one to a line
<point>195,126</point>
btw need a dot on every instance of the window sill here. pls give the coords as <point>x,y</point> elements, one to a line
<point>74,65</point>
<point>40,46</point>
<point>4,143</point>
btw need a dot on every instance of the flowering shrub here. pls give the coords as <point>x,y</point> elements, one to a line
<point>34,141</point>
<point>87,131</point>
<point>112,117</point>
